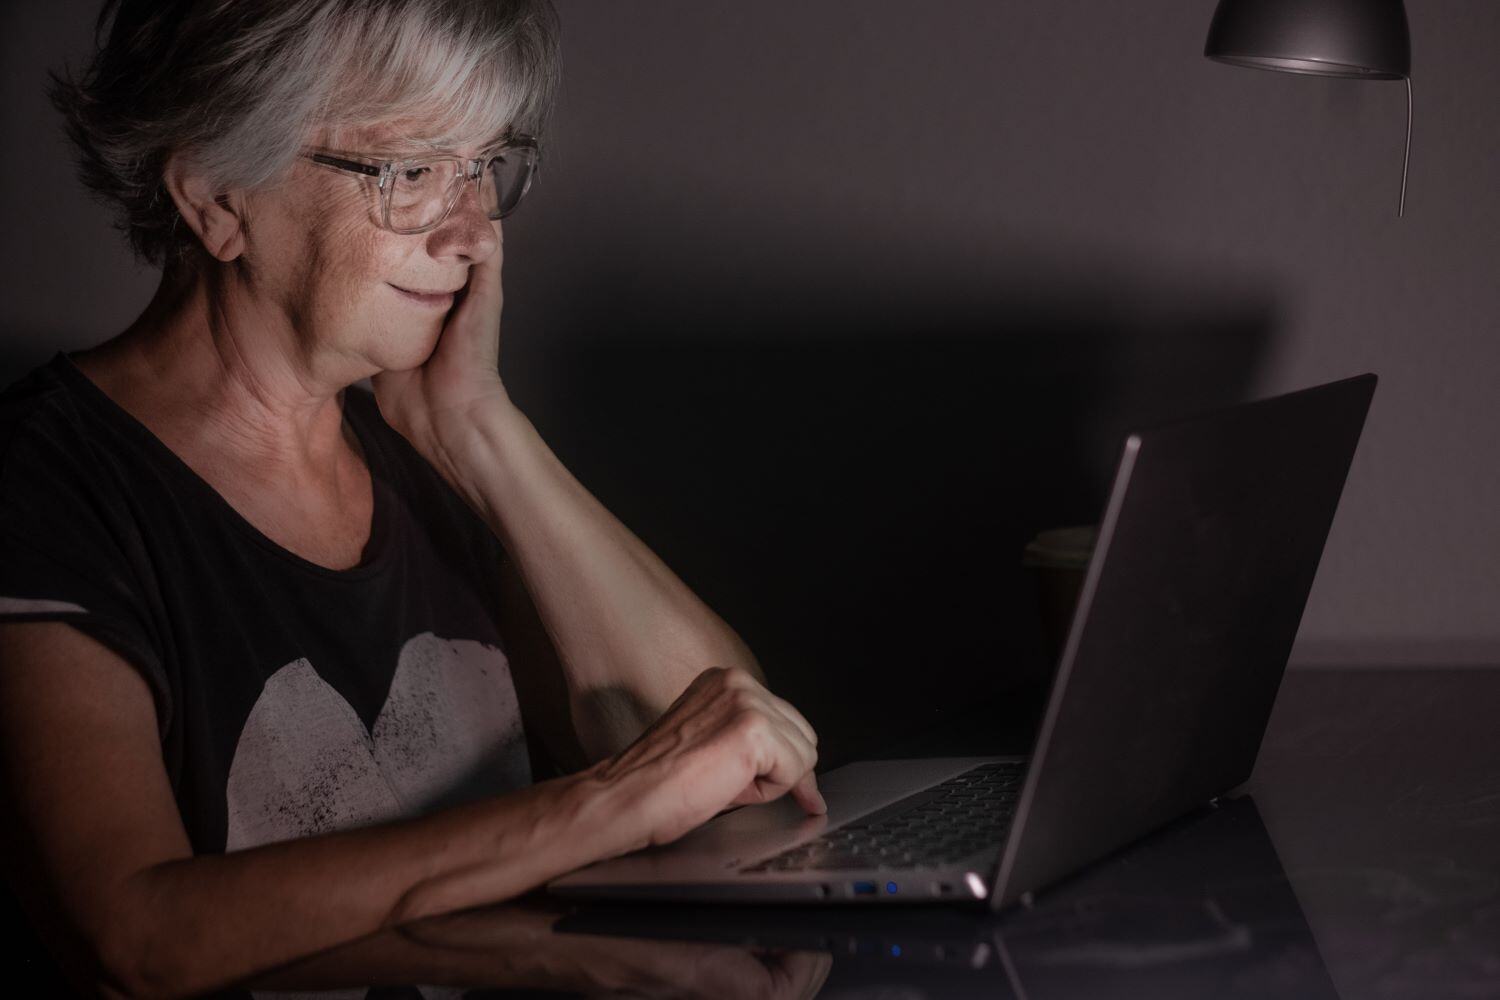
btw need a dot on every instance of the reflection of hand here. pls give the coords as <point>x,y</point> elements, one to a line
<point>630,967</point>
<point>606,966</point>
<point>515,946</point>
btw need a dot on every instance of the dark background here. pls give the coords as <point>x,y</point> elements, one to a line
<point>836,305</point>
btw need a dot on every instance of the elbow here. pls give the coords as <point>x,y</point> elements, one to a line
<point>124,939</point>
<point>121,972</point>
<point>100,952</point>
<point>134,959</point>
<point>108,963</point>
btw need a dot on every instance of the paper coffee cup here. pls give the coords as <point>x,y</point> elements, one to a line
<point>1060,557</point>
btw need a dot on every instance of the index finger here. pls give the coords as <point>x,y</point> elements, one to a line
<point>795,717</point>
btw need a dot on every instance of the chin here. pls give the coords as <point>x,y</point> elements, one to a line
<point>405,349</point>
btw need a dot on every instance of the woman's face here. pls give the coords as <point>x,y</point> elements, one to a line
<point>317,250</point>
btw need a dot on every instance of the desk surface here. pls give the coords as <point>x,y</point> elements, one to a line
<point>1363,861</point>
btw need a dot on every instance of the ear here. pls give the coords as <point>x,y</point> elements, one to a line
<point>219,218</point>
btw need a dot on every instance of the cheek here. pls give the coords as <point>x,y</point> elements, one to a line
<point>353,260</point>
<point>398,334</point>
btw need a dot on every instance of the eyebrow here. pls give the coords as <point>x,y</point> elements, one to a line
<point>434,145</point>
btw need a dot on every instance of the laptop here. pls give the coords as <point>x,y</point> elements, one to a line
<point>1206,553</point>
<point>1202,903</point>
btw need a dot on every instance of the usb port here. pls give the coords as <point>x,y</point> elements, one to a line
<point>864,888</point>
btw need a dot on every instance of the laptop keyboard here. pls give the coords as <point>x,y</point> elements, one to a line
<point>946,823</point>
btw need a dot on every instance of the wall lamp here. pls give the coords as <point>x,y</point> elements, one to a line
<point>1364,39</point>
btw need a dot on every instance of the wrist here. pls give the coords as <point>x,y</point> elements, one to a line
<point>498,848</point>
<point>469,446</point>
<point>602,810</point>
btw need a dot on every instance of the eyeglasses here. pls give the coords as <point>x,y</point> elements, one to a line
<point>417,193</point>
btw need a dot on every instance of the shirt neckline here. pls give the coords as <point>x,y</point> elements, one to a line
<point>378,549</point>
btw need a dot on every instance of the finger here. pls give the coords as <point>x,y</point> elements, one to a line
<point>491,270</point>
<point>475,317</point>
<point>804,791</point>
<point>806,750</point>
<point>798,973</point>
<point>789,763</point>
<point>781,710</point>
<point>807,795</point>
<point>795,717</point>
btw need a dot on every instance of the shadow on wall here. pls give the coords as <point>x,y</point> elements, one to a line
<point>848,475</point>
<point>852,491</point>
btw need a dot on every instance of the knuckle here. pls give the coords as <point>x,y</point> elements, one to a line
<point>738,677</point>
<point>749,722</point>
<point>709,677</point>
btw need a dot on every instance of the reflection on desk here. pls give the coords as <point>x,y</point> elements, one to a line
<point>1201,909</point>
<point>1363,862</point>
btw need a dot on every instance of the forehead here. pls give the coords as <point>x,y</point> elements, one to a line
<point>412,137</point>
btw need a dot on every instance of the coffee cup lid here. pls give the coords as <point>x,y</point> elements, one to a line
<point>1066,548</point>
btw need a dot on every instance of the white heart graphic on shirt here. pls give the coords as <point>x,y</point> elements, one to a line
<point>450,731</point>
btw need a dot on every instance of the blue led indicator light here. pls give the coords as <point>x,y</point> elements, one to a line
<point>890,887</point>
<point>896,950</point>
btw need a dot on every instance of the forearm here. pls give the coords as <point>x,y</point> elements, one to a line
<point>515,947</point>
<point>509,947</point>
<point>511,936</point>
<point>196,924</point>
<point>620,620</point>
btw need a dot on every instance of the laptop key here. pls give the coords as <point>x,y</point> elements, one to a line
<point>954,820</point>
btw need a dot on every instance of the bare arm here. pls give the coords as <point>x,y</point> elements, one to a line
<point>103,847</point>
<point>629,635</point>
<point>100,857</point>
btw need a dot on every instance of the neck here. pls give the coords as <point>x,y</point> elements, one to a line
<point>200,362</point>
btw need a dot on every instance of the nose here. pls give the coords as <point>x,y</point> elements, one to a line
<point>468,229</point>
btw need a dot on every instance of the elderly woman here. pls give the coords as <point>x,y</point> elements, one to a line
<point>269,637</point>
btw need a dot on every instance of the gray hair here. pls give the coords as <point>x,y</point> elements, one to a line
<point>240,86</point>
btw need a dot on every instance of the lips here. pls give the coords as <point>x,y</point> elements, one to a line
<point>438,299</point>
<point>423,291</point>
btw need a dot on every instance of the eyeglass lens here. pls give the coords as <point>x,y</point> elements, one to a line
<point>421,193</point>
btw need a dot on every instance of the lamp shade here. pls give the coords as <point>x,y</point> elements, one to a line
<point>1359,38</point>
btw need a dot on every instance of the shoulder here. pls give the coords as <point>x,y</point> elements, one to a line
<point>41,430</point>
<point>65,473</point>
<point>36,392</point>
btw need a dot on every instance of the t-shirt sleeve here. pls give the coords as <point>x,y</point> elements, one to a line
<point>69,552</point>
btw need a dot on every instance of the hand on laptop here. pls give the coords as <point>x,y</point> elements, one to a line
<point>725,741</point>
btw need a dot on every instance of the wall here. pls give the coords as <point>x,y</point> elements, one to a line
<point>837,304</point>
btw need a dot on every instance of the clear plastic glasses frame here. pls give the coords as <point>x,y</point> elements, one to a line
<point>473,170</point>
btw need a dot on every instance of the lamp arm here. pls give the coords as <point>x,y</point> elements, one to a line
<point>1401,210</point>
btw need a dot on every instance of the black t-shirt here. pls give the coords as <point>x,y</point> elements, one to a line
<point>291,699</point>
